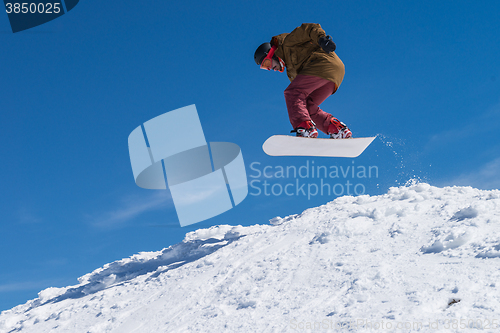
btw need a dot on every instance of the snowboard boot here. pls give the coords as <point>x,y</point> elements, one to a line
<point>338,130</point>
<point>306,129</point>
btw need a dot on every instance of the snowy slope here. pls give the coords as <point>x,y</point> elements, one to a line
<point>418,257</point>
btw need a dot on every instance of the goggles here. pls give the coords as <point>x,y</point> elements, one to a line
<point>267,63</point>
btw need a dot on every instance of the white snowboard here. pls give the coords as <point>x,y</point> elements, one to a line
<point>286,145</point>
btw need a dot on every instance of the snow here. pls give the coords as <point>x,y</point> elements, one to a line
<point>419,258</point>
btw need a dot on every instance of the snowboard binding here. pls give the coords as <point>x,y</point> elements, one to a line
<point>338,130</point>
<point>306,129</point>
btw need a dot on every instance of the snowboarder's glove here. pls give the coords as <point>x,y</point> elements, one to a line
<point>327,44</point>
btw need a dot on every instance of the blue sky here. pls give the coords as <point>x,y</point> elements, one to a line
<point>422,75</point>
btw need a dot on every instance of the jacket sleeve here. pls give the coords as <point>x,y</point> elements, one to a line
<point>307,32</point>
<point>278,40</point>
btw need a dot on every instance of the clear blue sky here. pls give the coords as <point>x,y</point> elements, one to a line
<point>423,75</point>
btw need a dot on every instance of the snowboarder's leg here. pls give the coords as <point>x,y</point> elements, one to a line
<point>296,96</point>
<point>313,101</point>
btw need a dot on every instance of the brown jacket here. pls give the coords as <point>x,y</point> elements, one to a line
<point>302,54</point>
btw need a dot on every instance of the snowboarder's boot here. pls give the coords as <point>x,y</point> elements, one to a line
<point>338,130</point>
<point>306,129</point>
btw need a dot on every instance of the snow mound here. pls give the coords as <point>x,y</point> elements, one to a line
<point>417,258</point>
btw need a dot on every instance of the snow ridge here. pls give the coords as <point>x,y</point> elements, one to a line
<point>419,256</point>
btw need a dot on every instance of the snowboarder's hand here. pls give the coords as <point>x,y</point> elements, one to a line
<point>274,41</point>
<point>327,44</point>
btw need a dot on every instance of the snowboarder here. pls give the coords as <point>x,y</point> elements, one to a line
<point>315,72</point>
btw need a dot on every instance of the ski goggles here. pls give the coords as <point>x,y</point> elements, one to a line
<point>267,63</point>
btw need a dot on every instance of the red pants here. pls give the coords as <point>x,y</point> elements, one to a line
<point>303,97</point>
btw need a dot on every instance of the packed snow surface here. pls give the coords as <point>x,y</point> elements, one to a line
<point>419,258</point>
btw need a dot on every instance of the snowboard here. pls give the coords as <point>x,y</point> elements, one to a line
<point>286,145</point>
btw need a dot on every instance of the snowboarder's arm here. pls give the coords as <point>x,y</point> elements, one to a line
<point>307,32</point>
<point>278,40</point>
